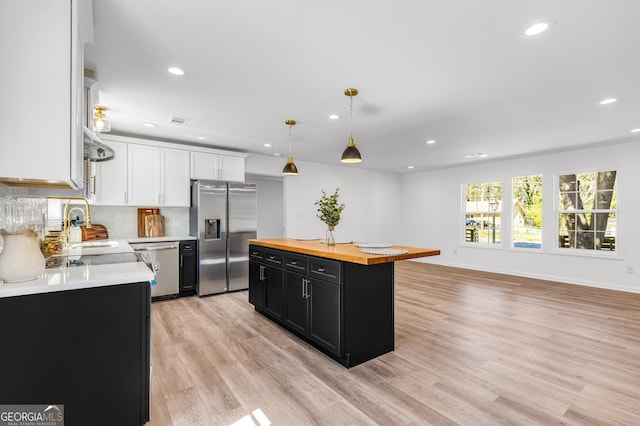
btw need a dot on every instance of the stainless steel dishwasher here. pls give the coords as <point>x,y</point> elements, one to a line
<point>163,259</point>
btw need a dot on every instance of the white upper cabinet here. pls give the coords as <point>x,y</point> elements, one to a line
<point>111,177</point>
<point>210,166</point>
<point>176,188</point>
<point>41,87</point>
<point>144,175</point>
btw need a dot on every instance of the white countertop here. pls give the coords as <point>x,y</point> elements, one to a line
<point>73,278</point>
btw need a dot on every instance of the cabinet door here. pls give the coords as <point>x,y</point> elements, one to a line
<point>274,292</point>
<point>38,102</point>
<point>111,177</point>
<point>231,168</point>
<point>324,315</point>
<point>204,166</point>
<point>174,170</point>
<point>295,305</point>
<point>257,287</point>
<point>188,271</point>
<point>143,175</point>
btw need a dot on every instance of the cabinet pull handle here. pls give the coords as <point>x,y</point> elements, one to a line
<point>304,283</point>
<point>320,269</point>
<point>293,262</point>
<point>261,273</point>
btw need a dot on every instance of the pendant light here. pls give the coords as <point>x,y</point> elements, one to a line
<point>290,168</point>
<point>351,153</point>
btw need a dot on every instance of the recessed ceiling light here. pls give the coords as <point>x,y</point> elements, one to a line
<point>410,167</point>
<point>268,145</point>
<point>277,154</point>
<point>477,155</point>
<point>176,71</point>
<point>608,101</point>
<point>430,142</point>
<point>334,116</point>
<point>635,130</point>
<point>200,138</point>
<point>149,125</point>
<point>537,28</point>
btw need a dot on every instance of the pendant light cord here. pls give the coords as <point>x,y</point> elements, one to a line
<point>351,116</point>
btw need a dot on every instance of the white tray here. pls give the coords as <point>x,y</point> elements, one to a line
<point>384,251</point>
<point>373,245</point>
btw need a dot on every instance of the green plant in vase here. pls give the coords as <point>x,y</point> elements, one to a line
<point>329,210</point>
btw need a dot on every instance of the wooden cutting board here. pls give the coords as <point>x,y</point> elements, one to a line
<point>96,232</point>
<point>142,214</point>
<point>154,225</point>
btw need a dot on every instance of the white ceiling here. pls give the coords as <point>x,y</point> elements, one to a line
<point>457,71</point>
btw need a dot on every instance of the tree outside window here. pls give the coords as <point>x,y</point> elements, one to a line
<point>587,211</point>
<point>527,212</point>
<point>482,212</point>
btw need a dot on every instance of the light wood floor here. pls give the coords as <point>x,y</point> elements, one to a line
<point>472,348</point>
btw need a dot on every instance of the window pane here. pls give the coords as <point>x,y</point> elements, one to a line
<point>568,200</point>
<point>587,199</point>
<point>527,211</point>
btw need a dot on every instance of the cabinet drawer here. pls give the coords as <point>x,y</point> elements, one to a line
<point>188,246</point>
<point>273,257</point>
<point>324,269</point>
<point>296,263</point>
<point>256,253</point>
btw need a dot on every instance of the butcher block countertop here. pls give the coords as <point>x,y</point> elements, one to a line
<point>345,252</point>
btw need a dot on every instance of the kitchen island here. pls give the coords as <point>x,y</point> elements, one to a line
<point>79,337</point>
<point>337,298</point>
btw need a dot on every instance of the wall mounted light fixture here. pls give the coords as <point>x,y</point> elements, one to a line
<point>100,121</point>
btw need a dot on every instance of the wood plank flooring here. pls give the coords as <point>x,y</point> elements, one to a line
<point>472,348</point>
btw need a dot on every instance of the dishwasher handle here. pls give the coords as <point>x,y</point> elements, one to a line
<point>155,248</point>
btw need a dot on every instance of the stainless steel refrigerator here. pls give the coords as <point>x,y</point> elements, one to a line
<point>223,217</point>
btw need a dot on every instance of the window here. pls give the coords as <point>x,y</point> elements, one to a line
<point>587,211</point>
<point>527,212</point>
<point>482,212</point>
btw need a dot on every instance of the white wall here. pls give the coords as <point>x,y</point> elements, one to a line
<point>372,199</point>
<point>270,205</point>
<point>431,218</point>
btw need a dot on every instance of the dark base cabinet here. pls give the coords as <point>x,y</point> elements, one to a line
<point>88,349</point>
<point>344,309</point>
<point>188,276</point>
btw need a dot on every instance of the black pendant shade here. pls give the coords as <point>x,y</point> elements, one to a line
<point>290,168</point>
<point>351,153</point>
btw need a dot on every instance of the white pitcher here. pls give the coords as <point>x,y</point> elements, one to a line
<point>21,258</point>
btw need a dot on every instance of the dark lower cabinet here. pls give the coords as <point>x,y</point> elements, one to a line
<point>188,275</point>
<point>266,289</point>
<point>312,308</point>
<point>342,308</point>
<point>88,349</point>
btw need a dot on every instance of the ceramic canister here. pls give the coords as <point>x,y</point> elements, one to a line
<point>21,258</point>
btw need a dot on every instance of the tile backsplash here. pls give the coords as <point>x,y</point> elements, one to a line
<point>122,222</point>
